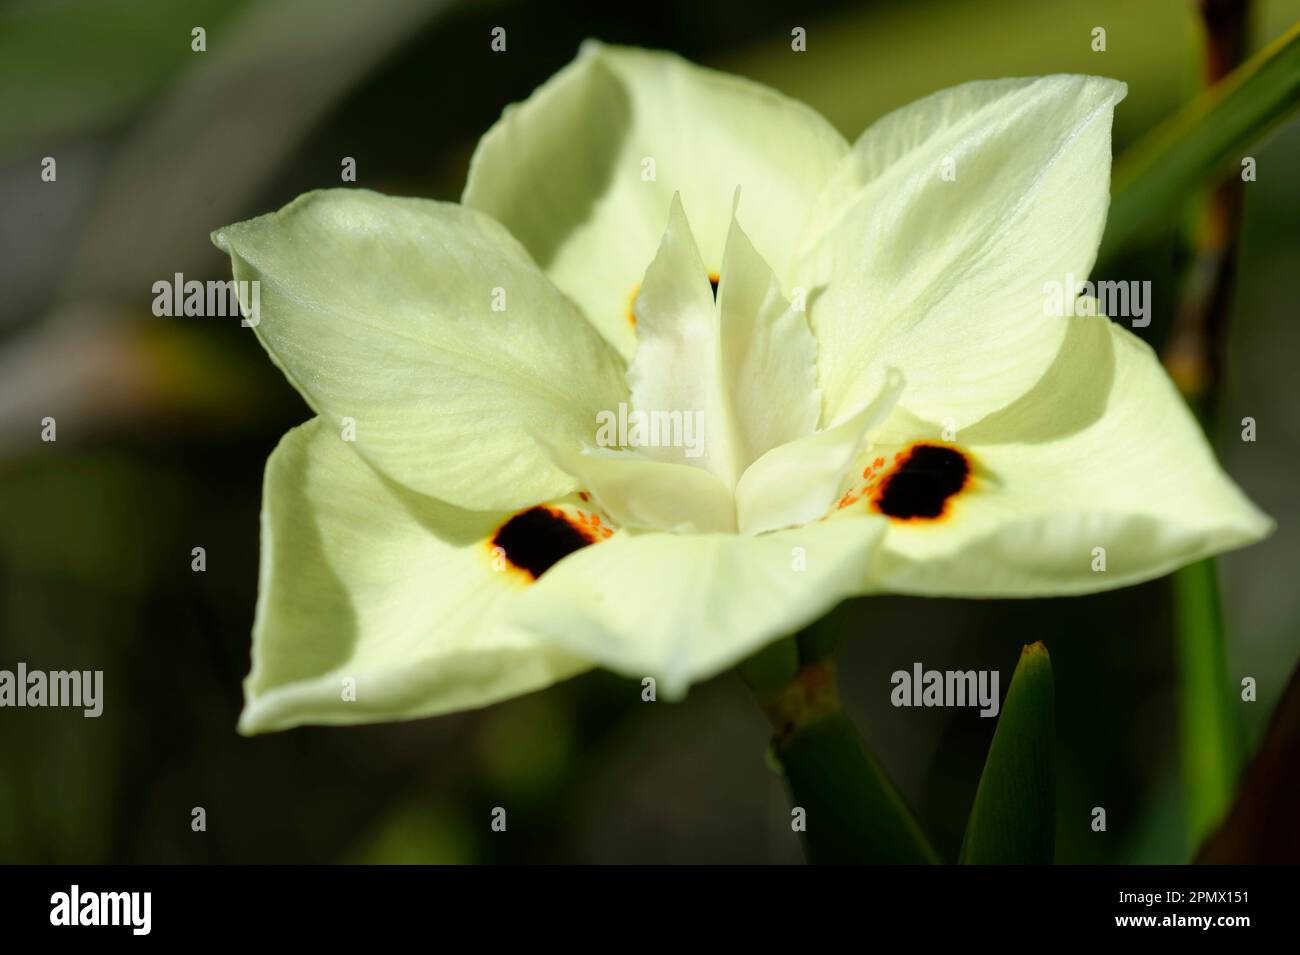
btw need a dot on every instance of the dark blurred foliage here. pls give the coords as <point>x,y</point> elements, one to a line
<point>164,426</point>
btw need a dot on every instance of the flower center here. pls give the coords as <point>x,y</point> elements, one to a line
<point>735,360</point>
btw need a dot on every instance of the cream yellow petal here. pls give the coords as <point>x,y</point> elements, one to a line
<point>1098,477</point>
<point>683,607</point>
<point>426,332</point>
<point>375,603</point>
<point>931,248</point>
<point>583,171</point>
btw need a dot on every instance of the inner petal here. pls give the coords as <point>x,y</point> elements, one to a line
<point>677,365</point>
<point>745,362</point>
<point>640,492</point>
<point>797,482</point>
<point>769,355</point>
<point>714,279</point>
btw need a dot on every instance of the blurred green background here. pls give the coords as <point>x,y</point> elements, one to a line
<point>164,426</point>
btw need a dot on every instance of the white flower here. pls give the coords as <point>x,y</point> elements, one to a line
<point>884,405</point>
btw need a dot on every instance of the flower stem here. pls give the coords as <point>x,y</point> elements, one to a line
<point>1194,356</point>
<point>1208,741</point>
<point>851,810</point>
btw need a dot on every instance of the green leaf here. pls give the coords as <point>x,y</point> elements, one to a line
<point>1014,816</point>
<point>1155,176</point>
<point>852,811</point>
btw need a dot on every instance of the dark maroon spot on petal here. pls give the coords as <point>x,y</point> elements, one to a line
<point>537,539</point>
<point>922,481</point>
<point>714,279</point>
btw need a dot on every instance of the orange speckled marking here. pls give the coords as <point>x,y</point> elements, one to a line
<point>592,526</point>
<point>864,488</point>
<point>631,305</point>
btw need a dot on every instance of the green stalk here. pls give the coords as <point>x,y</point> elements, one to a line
<point>1194,355</point>
<point>851,811</point>
<point>1208,740</point>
